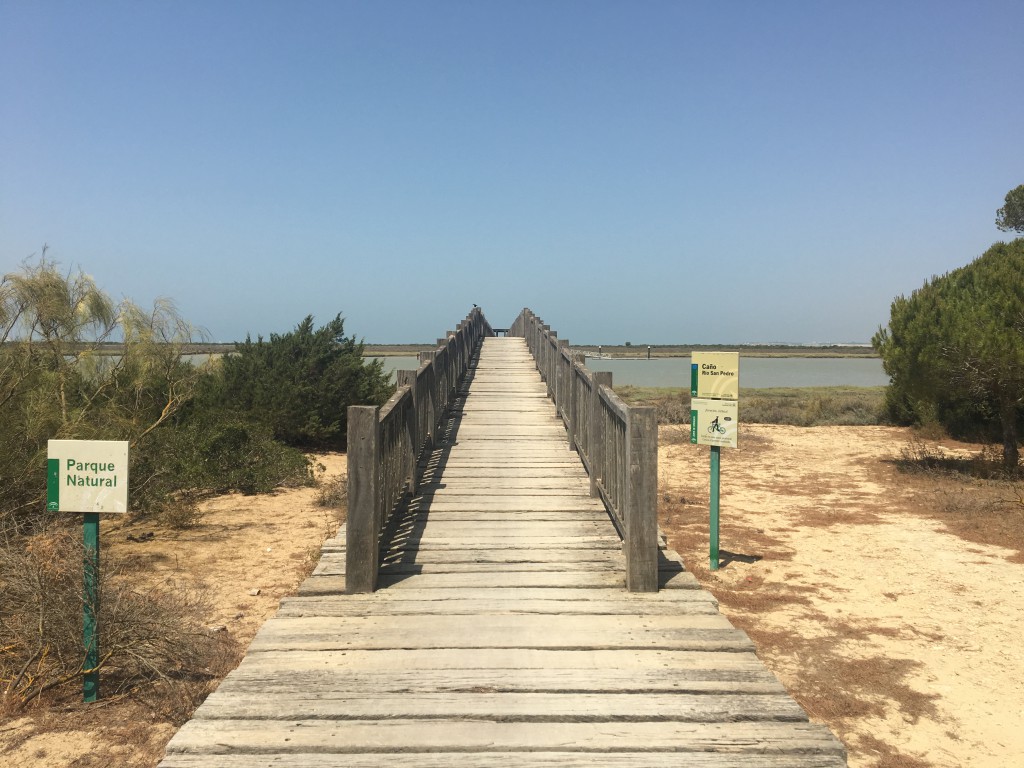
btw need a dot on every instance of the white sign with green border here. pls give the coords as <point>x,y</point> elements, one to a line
<point>714,422</point>
<point>87,476</point>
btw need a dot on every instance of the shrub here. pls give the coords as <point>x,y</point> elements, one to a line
<point>209,455</point>
<point>300,384</point>
<point>333,493</point>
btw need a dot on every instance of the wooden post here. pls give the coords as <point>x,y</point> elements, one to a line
<point>641,511</point>
<point>545,353</point>
<point>431,398</point>
<point>408,379</point>
<point>596,416</point>
<point>362,528</point>
<point>558,383</point>
<point>573,394</point>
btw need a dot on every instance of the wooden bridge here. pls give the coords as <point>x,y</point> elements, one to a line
<point>508,600</point>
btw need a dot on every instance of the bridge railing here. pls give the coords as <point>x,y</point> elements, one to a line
<point>385,445</point>
<point>617,443</point>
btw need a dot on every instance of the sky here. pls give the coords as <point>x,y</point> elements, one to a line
<point>645,171</point>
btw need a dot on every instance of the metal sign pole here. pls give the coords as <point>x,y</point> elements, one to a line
<point>91,606</point>
<point>716,453</point>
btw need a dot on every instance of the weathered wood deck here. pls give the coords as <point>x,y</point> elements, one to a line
<point>501,634</point>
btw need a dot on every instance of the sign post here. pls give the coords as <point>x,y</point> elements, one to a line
<point>714,419</point>
<point>88,476</point>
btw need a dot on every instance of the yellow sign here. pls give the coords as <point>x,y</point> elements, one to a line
<point>715,375</point>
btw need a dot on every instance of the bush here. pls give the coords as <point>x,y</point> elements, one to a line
<point>333,493</point>
<point>300,384</point>
<point>201,457</point>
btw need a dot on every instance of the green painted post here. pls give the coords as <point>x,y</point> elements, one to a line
<point>715,462</point>
<point>91,605</point>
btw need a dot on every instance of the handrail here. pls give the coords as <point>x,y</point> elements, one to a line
<point>617,444</point>
<point>385,445</point>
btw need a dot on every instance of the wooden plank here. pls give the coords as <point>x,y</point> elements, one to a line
<point>570,597</point>
<point>682,632</point>
<point>289,737</point>
<point>625,759</point>
<point>482,515</point>
<point>592,670</point>
<point>275,681</point>
<point>506,707</point>
<point>336,584</point>
<point>475,606</point>
<point>512,505</point>
<point>426,543</point>
<point>496,481</point>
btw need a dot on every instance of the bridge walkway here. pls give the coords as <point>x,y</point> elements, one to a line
<point>501,634</point>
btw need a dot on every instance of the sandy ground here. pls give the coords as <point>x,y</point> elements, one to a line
<point>904,638</point>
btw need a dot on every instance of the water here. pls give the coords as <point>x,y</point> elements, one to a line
<point>394,363</point>
<point>755,372</point>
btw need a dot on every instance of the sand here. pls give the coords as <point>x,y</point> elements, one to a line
<point>903,637</point>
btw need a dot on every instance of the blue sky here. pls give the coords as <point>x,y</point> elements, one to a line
<point>658,172</point>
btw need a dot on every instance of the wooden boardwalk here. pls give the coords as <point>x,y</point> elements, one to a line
<point>501,634</point>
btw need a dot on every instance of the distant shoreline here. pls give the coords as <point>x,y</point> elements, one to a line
<point>634,351</point>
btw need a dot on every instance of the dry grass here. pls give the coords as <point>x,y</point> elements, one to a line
<point>151,636</point>
<point>967,489</point>
<point>801,406</point>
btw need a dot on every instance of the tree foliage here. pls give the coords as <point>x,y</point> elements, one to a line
<point>58,378</point>
<point>301,383</point>
<point>954,349</point>
<point>1010,218</point>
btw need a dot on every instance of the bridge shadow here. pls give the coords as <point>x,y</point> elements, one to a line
<point>403,532</point>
